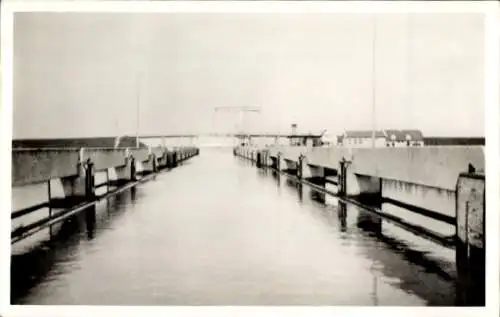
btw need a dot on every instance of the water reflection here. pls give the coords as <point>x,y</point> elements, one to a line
<point>392,258</point>
<point>342,215</point>
<point>317,196</point>
<point>369,222</point>
<point>277,177</point>
<point>30,269</point>
<point>133,194</point>
<point>300,191</point>
<point>90,220</point>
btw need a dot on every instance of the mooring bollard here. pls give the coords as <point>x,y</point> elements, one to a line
<point>470,244</point>
<point>342,184</point>
<point>89,180</point>
<point>132,169</point>
<point>259,159</point>
<point>155,164</point>
<point>300,166</point>
<point>174,159</point>
<point>278,162</point>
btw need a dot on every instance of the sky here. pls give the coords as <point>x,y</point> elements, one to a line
<point>90,74</point>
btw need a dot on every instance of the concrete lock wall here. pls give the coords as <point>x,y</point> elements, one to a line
<point>158,151</point>
<point>309,171</point>
<point>326,157</point>
<point>74,185</point>
<point>470,211</point>
<point>436,199</point>
<point>148,164</point>
<point>290,164</point>
<point>123,172</point>
<point>470,248</point>
<point>140,155</point>
<point>105,158</point>
<point>38,165</point>
<point>423,177</point>
<point>362,184</point>
<point>431,166</point>
<point>139,166</point>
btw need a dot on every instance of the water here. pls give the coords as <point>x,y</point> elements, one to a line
<point>218,231</point>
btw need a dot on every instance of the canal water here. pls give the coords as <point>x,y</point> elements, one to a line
<point>218,231</point>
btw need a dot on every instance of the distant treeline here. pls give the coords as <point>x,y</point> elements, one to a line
<point>453,141</point>
<point>104,142</point>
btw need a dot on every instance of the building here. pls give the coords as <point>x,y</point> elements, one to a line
<point>310,140</point>
<point>414,138</point>
<point>404,138</point>
<point>383,138</point>
<point>361,139</point>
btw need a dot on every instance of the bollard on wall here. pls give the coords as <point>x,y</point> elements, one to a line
<point>300,166</point>
<point>278,162</point>
<point>342,185</point>
<point>155,163</point>
<point>89,180</point>
<point>259,159</point>
<point>174,159</point>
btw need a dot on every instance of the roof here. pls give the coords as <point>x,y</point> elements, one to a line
<point>395,135</point>
<point>313,136</point>
<point>401,135</point>
<point>101,142</point>
<point>308,136</point>
<point>364,134</point>
<point>416,135</point>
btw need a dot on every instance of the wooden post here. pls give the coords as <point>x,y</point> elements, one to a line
<point>470,243</point>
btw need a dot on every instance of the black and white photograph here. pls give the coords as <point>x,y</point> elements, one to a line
<point>248,158</point>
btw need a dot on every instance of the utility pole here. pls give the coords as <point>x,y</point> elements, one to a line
<point>137,93</point>
<point>374,97</point>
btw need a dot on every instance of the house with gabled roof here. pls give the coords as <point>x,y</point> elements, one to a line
<point>404,138</point>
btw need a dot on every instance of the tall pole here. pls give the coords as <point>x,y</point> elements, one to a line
<point>137,92</point>
<point>374,97</point>
<point>410,70</point>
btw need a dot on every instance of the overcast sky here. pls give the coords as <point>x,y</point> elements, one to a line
<point>75,74</point>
